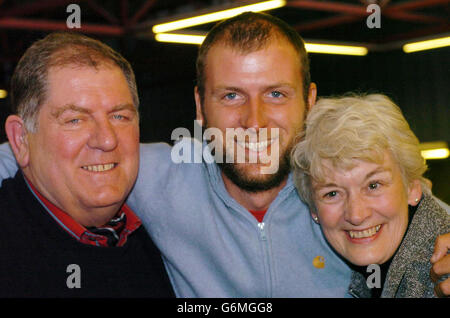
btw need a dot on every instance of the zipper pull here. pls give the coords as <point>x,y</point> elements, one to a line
<point>261,231</point>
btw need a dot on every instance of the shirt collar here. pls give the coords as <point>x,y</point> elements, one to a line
<point>78,231</point>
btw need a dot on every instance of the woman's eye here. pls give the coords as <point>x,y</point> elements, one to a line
<point>119,117</point>
<point>331,194</point>
<point>374,185</point>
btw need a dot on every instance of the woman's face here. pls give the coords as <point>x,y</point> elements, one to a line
<point>364,211</point>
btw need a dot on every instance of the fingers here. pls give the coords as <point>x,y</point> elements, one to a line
<point>434,277</point>
<point>440,268</point>
<point>441,247</point>
<point>441,265</point>
<point>443,289</point>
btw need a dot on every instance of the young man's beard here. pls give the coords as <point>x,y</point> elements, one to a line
<point>253,185</point>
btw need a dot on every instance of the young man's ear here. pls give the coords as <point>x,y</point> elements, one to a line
<point>18,139</point>
<point>198,105</point>
<point>312,95</point>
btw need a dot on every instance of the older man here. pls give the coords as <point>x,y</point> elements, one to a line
<point>66,231</point>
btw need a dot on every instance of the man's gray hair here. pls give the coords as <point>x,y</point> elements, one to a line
<point>29,83</point>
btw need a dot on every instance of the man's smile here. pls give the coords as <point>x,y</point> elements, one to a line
<point>100,167</point>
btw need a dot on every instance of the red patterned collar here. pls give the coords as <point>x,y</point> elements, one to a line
<point>78,231</point>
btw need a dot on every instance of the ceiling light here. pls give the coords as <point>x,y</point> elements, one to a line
<point>426,45</point>
<point>310,47</point>
<point>441,153</point>
<point>179,38</point>
<point>336,49</point>
<point>3,93</point>
<point>434,150</point>
<point>216,16</point>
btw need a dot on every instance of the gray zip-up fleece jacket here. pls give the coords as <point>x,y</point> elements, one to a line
<point>213,247</point>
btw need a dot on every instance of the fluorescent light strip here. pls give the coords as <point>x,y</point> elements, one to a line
<point>179,38</point>
<point>216,16</point>
<point>335,49</point>
<point>3,93</point>
<point>426,45</point>
<point>310,47</point>
<point>441,153</point>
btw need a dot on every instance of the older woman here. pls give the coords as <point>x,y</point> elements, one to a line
<point>359,168</point>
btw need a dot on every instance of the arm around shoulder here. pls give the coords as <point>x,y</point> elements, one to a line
<point>8,164</point>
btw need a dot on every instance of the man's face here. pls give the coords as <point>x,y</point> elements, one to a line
<point>85,152</point>
<point>261,89</point>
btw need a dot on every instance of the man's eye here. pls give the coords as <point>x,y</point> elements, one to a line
<point>230,96</point>
<point>74,121</point>
<point>119,117</point>
<point>276,94</point>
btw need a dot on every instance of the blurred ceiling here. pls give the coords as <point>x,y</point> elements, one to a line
<point>343,20</point>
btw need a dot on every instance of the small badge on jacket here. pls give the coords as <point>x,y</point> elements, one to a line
<point>319,262</point>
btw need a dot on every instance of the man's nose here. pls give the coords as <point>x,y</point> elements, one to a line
<point>103,136</point>
<point>254,114</point>
<point>357,210</point>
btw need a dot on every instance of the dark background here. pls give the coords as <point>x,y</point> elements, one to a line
<point>418,82</point>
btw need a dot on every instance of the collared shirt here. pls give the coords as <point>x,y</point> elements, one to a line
<point>79,232</point>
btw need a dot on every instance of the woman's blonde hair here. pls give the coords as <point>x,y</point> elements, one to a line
<point>354,127</point>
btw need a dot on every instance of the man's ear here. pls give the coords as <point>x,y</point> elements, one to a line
<point>18,139</point>
<point>198,105</point>
<point>414,192</point>
<point>312,95</point>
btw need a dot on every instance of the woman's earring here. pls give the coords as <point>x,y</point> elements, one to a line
<point>417,200</point>
<point>316,219</point>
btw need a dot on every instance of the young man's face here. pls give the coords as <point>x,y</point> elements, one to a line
<point>261,89</point>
